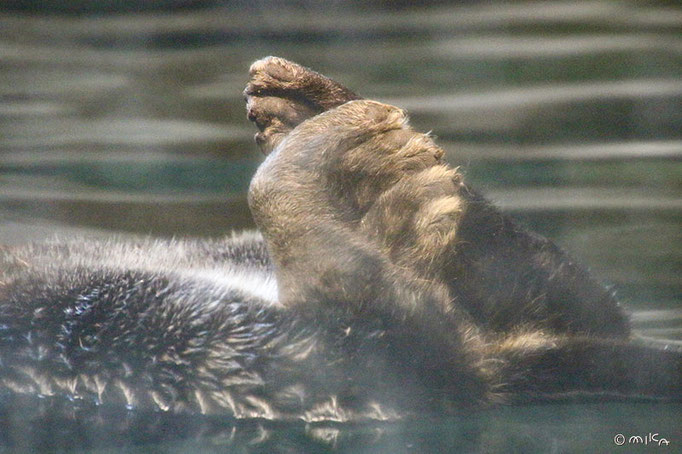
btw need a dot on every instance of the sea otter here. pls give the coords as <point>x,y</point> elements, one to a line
<point>381,286</point>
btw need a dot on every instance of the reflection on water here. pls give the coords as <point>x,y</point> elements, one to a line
<point>567,114</point>
<point>534,429</point>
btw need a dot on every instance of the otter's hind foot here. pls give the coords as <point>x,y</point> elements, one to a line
<point>282,94</point>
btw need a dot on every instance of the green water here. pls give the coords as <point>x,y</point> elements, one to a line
<point>566,114</point>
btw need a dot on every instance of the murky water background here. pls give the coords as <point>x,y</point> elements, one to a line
<point>567,114</point>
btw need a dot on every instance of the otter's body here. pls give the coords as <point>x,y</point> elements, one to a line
<point>197,327</point>
<point>382,287</point>
<point>184,326</point>
<point>181,326</point>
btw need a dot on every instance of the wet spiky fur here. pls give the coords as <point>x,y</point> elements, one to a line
<point>383,287</point>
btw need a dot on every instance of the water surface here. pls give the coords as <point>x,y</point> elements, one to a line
<point>567,114</point>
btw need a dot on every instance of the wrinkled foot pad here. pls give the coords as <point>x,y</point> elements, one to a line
<point>282,94</point>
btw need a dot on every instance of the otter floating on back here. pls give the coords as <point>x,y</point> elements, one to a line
<point>383,287</point>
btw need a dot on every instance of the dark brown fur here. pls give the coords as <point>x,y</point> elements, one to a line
<point>399,291</point>
<point>426,218</point>
<point>353,201</point>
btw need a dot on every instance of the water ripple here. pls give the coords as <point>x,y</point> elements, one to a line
<point>600,199</point>
<point>34,108</point>
<point>541,95</point>
<point>119,131</point>
<point>349,21</point>
<point>543,46</point>
<point>612,151</point>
